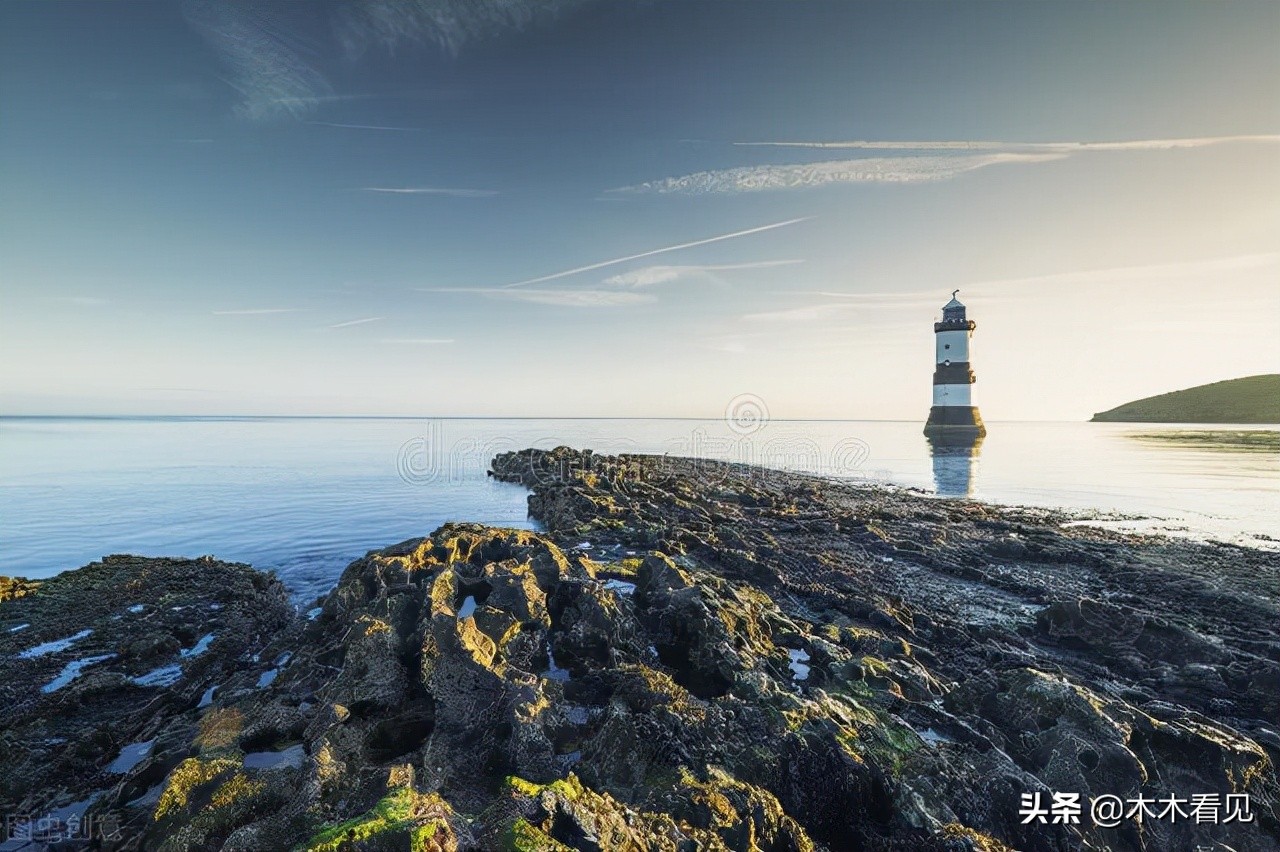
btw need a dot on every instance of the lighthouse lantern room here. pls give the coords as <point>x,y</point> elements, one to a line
<point>953,411</point>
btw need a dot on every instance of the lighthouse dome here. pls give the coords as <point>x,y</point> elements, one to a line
<point>953,310</point>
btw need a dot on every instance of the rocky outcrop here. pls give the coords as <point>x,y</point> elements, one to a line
<point>102,674</point>
<point>12,588</point>
<point>691,657</point>
<point>1024,654</point>
<point>487,689</point>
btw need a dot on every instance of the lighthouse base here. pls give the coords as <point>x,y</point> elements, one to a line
<point>959,420</point>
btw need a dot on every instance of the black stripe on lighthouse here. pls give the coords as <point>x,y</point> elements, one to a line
<point>957,373</point>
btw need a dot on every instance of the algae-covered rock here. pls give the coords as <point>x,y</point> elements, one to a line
<point>482,682</point>
<point>901,673</point>
<point>403,819</point>
<point>485,688</point>
<point>101,672</point>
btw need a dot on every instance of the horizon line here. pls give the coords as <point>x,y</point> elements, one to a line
<point>198,417</point>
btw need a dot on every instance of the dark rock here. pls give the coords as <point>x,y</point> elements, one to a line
<point>116,655</point>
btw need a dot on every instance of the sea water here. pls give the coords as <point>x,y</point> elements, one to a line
<point>305,496</point>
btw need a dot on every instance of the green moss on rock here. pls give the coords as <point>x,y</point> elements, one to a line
<point>422,818</point>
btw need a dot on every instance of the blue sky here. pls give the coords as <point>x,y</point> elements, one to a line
<point>427,208</point>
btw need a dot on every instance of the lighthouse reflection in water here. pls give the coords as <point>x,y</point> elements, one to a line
<point>955,461</point>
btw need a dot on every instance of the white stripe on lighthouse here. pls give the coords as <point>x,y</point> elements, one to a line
<point>953,346</point>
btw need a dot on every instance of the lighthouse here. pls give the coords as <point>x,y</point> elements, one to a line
<point>953,412</point>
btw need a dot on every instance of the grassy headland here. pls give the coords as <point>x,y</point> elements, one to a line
<point>1252,399</point>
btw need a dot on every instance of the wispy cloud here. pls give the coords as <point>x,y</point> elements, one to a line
<point>162,90</point>
<point>1146,281</point>
<point>350,323</point>
<point>449,24</point>
<point>432,190</point>
<point>1148,278</point>
<point>264,57</point>
<point>617,260</point>
<point>916,169</point>
<point>82,301</point>
<point>941,160</point>
<point>318,98</point>
<point>251,312</point>
<point>838,332</point>
<point>559,297</point>
<point>651,275</point>
<point>806,313</point>
<point>615,291</point>
<point>270,50</point>
<point>1051,147</point>
<point>419,341</point>
<point>869,300</point>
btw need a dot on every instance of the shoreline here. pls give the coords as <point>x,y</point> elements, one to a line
<point>1120,522</point>
<point>837,662</point>
<point>53,524</point>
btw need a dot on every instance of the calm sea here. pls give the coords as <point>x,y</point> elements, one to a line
<point>306,496</point>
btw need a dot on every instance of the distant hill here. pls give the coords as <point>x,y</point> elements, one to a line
<point>1253,399</point>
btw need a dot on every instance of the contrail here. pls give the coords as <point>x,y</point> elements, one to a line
<point>247,312</point>
<point>356,322</point>
<point>365,126</point>
<point>432,190</point>
<point>1062,147</point>
<point>425,341</point>
<point>651,253</point>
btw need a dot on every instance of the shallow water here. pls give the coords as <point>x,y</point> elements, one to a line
<point>306,496</point>
<point>163,676</point>
<point>799,664</point>
<point>73,670</point>
<point>198,649</point>
<point>622,587</point>
<point>56,646</point>
<point>130,756</point>
<point>293,756</point>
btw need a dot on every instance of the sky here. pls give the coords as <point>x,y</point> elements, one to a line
<point>633,209</point>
